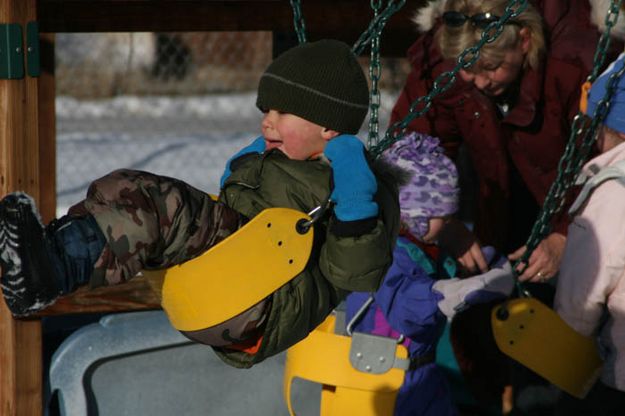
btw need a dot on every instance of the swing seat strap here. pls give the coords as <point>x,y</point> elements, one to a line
<point>612,172</point>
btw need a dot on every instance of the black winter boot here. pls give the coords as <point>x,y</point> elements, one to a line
<point>40,264</point>
<point>27,281</point>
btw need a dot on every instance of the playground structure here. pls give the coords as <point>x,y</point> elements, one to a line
<point>27,137</point>
<point>28,107</point>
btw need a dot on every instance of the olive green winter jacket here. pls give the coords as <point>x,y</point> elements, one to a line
<point>353,261</point>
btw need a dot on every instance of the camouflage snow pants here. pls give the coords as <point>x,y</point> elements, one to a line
<point>154,222</point>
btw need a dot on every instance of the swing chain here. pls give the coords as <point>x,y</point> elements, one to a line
<point>298,21</point>
<point>445,80</point>
<point>567,174</point>
<point>375,70</point>
<point>582,136</point>
<point>376,25</point>
<point>604,40</point>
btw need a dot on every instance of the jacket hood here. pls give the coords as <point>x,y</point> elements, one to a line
<point>599,12</point>
<point>393,173</point>
<point>425,17</point>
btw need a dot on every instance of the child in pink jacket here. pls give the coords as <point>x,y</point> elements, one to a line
<point>590,294</point>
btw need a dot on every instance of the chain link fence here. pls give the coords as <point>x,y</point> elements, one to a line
<point>177,104</point>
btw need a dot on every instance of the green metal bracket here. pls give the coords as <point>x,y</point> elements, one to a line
<point>11,53</point>
<point>33,67</point>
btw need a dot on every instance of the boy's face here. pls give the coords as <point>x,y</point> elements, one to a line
<point>296,137</point>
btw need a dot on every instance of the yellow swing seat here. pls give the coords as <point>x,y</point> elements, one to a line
<point>349,388</point>
<point>534,335</point>
<point>239,272</point>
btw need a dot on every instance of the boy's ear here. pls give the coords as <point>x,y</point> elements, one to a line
<point>525,37</point>
<point>328,134</point>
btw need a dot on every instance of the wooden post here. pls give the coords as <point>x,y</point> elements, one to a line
<point>47,129</point>
<point>20,341</point>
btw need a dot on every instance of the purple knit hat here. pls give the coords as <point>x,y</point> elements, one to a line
<point>432,190</point>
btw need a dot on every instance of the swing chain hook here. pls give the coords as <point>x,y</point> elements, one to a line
<point>303,225</point>
<point>349,329</point>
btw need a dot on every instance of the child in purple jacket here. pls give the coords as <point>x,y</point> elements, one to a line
<point>418,294</point>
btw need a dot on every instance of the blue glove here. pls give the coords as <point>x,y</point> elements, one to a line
<point>354,183</point>
<point>257,146</point>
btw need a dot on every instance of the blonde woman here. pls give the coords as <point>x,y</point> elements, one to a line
<point>512,110</point>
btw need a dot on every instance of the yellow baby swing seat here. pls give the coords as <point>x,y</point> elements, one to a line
<point>361,374</point>
<point>247,267</point>
<point>240,271</point>
<point>534,335</point>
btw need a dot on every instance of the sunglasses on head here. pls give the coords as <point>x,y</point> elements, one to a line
<point>457,19</point>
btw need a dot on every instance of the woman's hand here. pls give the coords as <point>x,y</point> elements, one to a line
<point>544,261</point>
<point>456,238</point>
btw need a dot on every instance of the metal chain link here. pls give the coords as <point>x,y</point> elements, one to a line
<point>604,40</point>
<point>375,70</point>
<point>298,21</point>
<point>445,80</point>
<point>377,24</point>
<point>582,136</point>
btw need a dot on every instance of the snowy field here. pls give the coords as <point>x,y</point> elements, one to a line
<point>185,137</point>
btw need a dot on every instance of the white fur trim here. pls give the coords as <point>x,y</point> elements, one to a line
<point>599,12</point>
<point>426,16</point>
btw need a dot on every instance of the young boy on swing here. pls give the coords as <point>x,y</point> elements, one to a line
<point>315,97</point>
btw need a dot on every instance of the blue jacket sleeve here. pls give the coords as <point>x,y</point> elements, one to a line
<point>406,298</point>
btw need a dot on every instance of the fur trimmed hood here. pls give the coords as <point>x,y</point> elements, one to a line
<point>600,10</point>
<point>426,16</point>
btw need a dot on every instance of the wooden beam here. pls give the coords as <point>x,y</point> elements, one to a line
<point>20,341</point>
<point>339,19</point>
<point>137,294</point>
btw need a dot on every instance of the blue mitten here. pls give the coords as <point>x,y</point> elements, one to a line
<point>257,146</point>
<point>354,183</point>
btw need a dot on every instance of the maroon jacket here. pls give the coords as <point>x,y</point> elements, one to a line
<point>530,138</point>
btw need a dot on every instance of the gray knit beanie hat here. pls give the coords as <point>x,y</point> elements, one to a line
<point>321,82</point>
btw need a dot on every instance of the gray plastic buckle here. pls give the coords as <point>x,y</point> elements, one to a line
<point>374,354</point>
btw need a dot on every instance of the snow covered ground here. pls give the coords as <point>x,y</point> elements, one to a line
<point>185,137</point>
